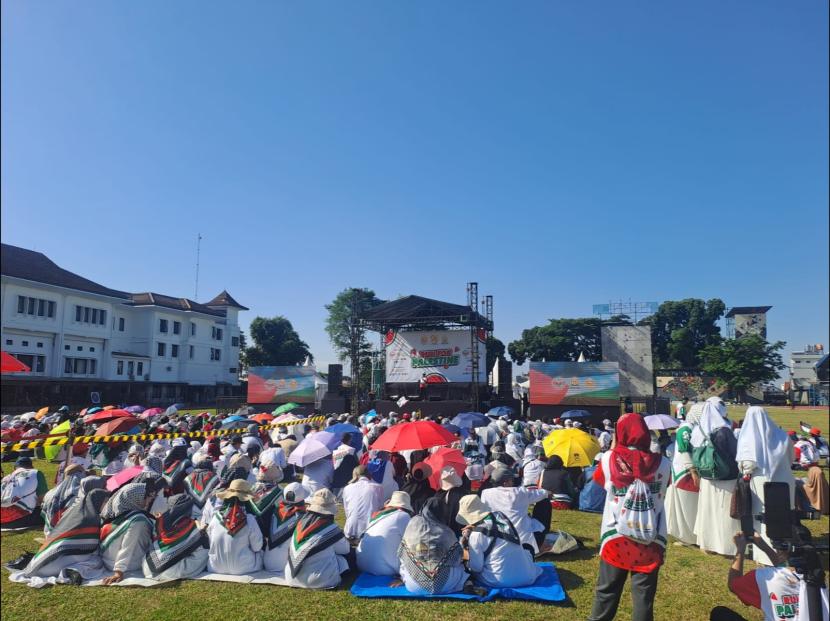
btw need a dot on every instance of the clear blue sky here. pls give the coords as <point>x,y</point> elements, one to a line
<point>561,154</point>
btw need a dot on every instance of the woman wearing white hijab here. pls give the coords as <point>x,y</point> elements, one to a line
<point>714,528</point>
<point>764,454</point>
<point>682,494</point>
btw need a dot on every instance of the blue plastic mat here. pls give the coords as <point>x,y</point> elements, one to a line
<point>547,588</point>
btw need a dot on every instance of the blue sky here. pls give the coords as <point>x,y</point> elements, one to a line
<point>561,154</point>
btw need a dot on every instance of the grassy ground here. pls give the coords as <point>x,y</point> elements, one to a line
<point>691,583</point>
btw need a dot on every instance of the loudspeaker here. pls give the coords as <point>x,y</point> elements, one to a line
<point>505,387</point>
<point>335,379</point>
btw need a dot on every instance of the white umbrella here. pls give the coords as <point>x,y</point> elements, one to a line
<point>656,422</point>
<point>27,416</point>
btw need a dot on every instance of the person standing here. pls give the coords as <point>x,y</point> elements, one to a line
<point>630,462</point>
<point>682,495</point>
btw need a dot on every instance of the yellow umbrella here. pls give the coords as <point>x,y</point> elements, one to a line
<point>574,446</point>
<point>52,451</point>
<point>42,412</point>
<point>109,407</point>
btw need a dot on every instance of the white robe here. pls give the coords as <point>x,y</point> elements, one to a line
<point>515,502</point>
<point>377,552</point>
<point>360,500</point>
<point>714,529</point>
<point>235,555</point>
<point>126,552</point>
<point>321,570</point>
<point>507,565</point>
<point>189,567</point>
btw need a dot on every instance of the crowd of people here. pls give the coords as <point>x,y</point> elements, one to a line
<point>237,504</point>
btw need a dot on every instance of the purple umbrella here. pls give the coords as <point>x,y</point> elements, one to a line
<point>313,448</point>
<point>134,409</point>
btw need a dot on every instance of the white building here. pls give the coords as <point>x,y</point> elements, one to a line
<point>804,379</point>
<point>80,337</point>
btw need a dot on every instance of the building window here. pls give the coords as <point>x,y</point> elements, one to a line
<point>161,350</point>
<point>41,308</point>
<point>213,332</point>
<point>36,363</point>
<point>67,366</point>
<point>21,304</point>
<point>35,306</point>
<point>66,347</point>
<point>120,324</point>
<point>232,370</point>
<point>103,317</point>
<point>234,341</point>
<point>91,349</point>
<point>177,327</point>
<point>174,351</point>
<point>192,328</point>
<point>25,343</point>
<point>79,348</point>
<point>119,367</point>
<point>163,325</point>
<point>40,344</point>
<point>92,366</point>
<point>85,314</point>
<point>94,315</point>
<point>50,311</point>
<point>215,354</point>
<point>78,311</point>
<point>191,352</point>
<point>40,364</point>
<point>9,342</point>
<point>140,368</point>
<point>219,334</point>
<point>80,366</point>
<point>130,368</point>
<point>32,303</point>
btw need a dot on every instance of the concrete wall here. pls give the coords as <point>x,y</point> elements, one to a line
<point>630,347</point>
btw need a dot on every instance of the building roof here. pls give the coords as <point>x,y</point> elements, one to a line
<point>225,299</point>
<point>747,310</point>
<point>415,310</point>
<point>165,301</point>
<point>37,267</point>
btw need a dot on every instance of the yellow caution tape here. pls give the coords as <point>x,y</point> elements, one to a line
<point>140,437</point>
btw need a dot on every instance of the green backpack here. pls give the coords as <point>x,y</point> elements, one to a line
<point>710,464</point>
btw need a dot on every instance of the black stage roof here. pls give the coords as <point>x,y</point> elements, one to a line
<point>747,310</point>
<point>415,311</point>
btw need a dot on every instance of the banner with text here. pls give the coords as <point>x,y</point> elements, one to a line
<point>281,384</point>
<point>440,355</point>
<point>574,383</point>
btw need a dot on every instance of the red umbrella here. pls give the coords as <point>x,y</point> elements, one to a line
<point>412,436</point>
<point>442,458</point>
<point>123,477</point>
<point>10,364</point>
<point>117,425</point>
<point>105,415</point>
<point>263,418</point>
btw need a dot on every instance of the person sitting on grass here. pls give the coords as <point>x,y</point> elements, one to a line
<point>58,499</point>
<point>284,519</point>
<point>200,484</point>
<point>362,497</point>
<point>377,552</point>
<point>266,493</point>
<point>127,530</point>
<point>492,548</point>
<point>430,555</point>
<point>317,550</point>
<point>235,537</point>
<point>22,495</point>
<point>556,480</point>
<point>515,503</point>
<point>776,591</point>
<point>179,549</point>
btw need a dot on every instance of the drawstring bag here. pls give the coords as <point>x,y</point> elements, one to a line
<point>637,519</point>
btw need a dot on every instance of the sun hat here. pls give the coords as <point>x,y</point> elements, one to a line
<point>400,500</point>
<point>449,478</point>
<point>294,492</point>
<point>471,510</point>
<point>239,488</point>
<point>269,472</point>
<point>72,468</point>
<point>322,501</point>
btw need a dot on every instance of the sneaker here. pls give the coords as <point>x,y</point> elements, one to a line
<point>20,562</point>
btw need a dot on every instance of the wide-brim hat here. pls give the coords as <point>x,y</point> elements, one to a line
<point>400,500</point>
<point>471,510</point>
<point>322,501</point>
<point>294,492</point>
<point>239,488</point>
<point>450,478</point>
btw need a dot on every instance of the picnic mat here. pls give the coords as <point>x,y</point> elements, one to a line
<point>137,579</point>
<point>547,588</point>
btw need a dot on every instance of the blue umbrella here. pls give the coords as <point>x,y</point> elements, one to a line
<point>575,414</point>
<point>356,441</point>
<point>467,420</point>
<point>452,428</point>
<point>370,415</point>
<point>236,421</point>
<point>502,410</point>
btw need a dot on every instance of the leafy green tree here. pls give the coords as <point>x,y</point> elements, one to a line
<point>276,343</point>
<point>740,363</point>
<point>560,339</point>
<point>495,350</point>
<point>346,337</point>
<point>680,330</point>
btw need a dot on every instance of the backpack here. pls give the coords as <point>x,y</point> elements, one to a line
<point>17,487</point>
<point>637,519</point>
<point>710,463</point>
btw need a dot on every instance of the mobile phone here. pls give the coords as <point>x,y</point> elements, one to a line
<point>777,511</point>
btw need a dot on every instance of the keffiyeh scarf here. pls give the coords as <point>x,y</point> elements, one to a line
<point>122,510</point>
<point>313,533</point>
<point>283,522</point>
<point>377,516</point>
<point>498,526</point>
<point>175,536</point>
<point>232,516</point>
<point>58,499</point>
<point>429,549</point>
<point>199,485</point>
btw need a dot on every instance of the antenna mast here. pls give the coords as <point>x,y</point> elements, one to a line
<point>198,250</point>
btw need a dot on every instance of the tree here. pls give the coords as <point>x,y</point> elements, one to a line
<point>740,363</point>
<point>340,324</point>
<point>276,343</point>
<point>680,330</point>
<point>561,339</point>
<point>243,357</point>
<point>495,350</point>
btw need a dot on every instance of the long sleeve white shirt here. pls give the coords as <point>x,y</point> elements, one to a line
<point>360,500</point>
<point>507,565</point>
<point>377,551</point>
<point>514,502</point>
<point>238,554</point>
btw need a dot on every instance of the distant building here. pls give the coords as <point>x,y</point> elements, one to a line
<point>80,338</point>
<point>746,320</point>
<point>804,375</point>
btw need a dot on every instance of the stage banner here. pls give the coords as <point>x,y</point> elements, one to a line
<point>281,384</point>
<point>440,355</point>
<point>574,383</point>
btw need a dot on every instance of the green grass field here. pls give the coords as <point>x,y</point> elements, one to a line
<point>691,583</point>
